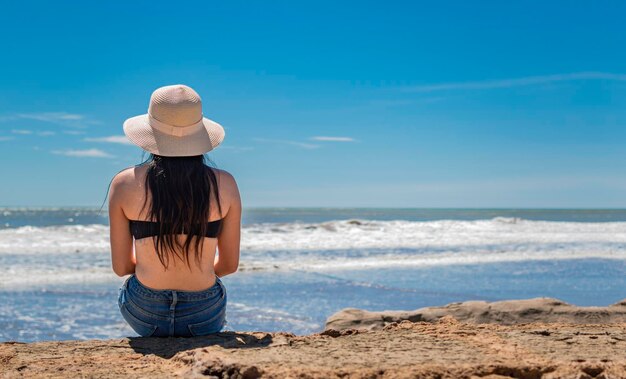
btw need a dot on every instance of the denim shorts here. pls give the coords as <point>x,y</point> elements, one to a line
<point>172,313</point>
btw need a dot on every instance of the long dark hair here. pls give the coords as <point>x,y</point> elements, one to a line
<point>180,189</point>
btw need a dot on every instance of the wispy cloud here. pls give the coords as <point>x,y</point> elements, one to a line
<point>91,153</point>
<point>303,145</point>
<point>73,132</point>
<point>516,82</point>
<point>51,116</point>
<point>110,139</point>
<point>45,133</point>
<point>21,131</point>
<point>4,138</point>
<point>60,118</point>
<point>333,139</point>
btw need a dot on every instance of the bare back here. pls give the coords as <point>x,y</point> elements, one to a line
<point>128,195</point>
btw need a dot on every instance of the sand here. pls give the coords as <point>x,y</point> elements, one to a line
<point>445,348</point>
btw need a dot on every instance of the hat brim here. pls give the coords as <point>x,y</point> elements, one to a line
<point>139,132</point>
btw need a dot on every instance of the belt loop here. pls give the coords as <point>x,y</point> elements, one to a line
<point>173,312</point>
<point>125,285</point>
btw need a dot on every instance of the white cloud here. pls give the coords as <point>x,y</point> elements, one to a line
<point>51,116</point>
<point>4,138</point>
<point>111,139</point>
<point>333,139</point>
<point>73,132</point>
<point>21,131</point>
<point>72,120</point>
<point>45,133</point>
<point>517,82</point>
<point>92,153</point>
<point>303,145</point>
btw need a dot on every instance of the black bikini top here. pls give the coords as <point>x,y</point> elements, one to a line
<point>144,229</point>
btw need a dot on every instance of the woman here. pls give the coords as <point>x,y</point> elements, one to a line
<point>178,212</point>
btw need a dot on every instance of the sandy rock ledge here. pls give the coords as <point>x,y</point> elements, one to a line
<point>509,312</point>
<point>445,348</point>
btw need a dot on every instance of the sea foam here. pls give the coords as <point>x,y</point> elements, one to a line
<point>59,254</point>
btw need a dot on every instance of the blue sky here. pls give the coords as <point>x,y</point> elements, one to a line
<point>440,104</point>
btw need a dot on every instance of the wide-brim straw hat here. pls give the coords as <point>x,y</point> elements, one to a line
<point>174,125</point>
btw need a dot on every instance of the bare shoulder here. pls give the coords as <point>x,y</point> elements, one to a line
<point>228,190</point>
<point>129,177</point>
<point>122,178</point>
<point>127,180</point>
<point>225,180</point>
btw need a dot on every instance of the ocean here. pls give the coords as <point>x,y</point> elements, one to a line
<point>300,265</point>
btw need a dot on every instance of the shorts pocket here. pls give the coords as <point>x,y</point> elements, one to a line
<point>142,328</point>
<point>210,326</point>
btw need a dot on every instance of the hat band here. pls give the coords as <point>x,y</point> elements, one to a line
<point>177,131</point>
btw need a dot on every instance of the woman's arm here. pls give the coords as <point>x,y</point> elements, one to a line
<point>122,255</point>
<point>228,241</point>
